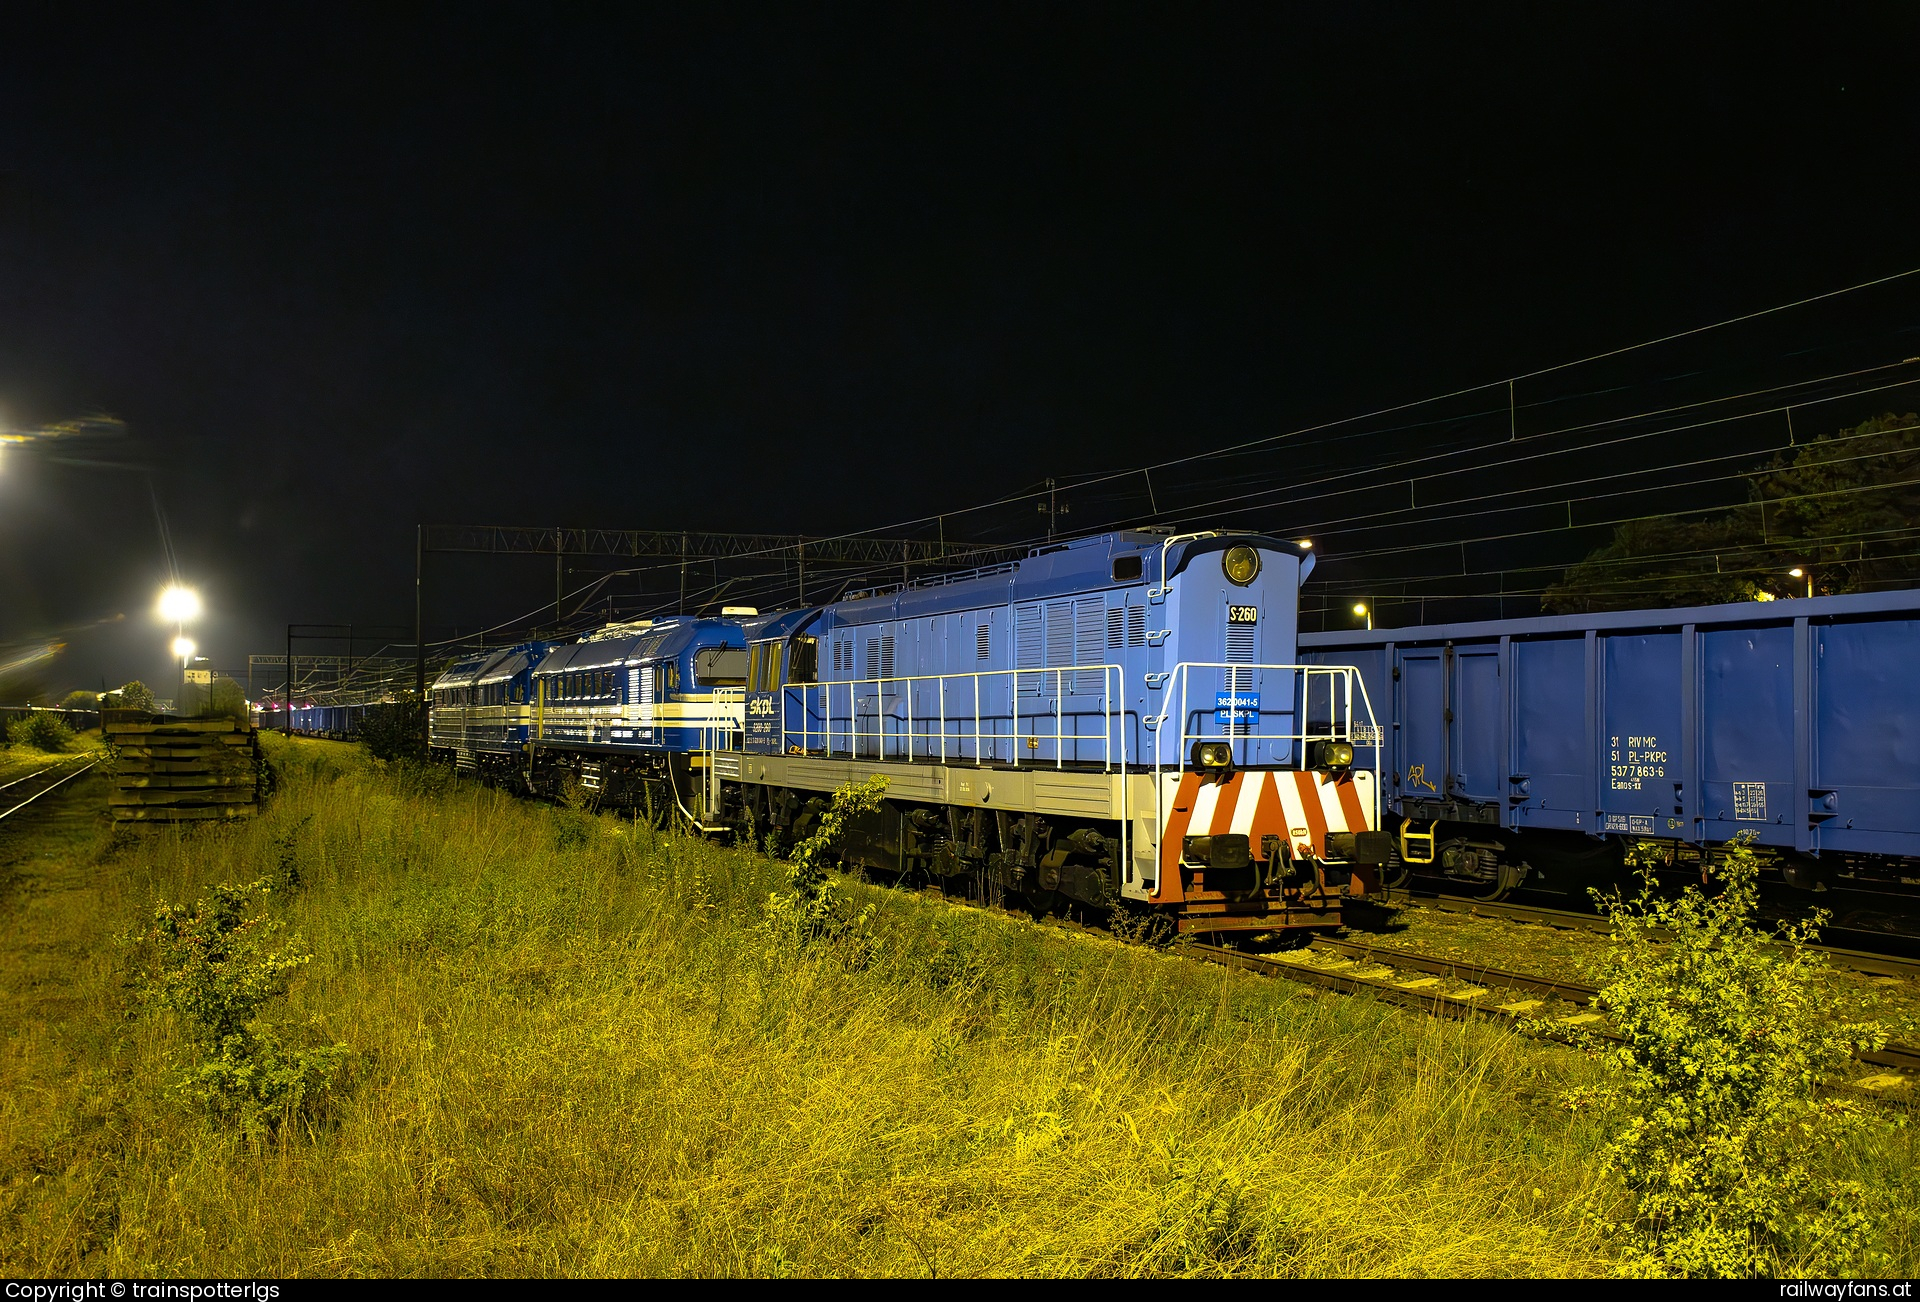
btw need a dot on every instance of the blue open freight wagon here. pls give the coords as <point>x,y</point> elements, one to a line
<point>1797,721</point>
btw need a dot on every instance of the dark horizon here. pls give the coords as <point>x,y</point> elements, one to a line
<point>755,272</point>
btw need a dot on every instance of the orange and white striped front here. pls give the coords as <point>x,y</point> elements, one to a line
<point>1299,807</point>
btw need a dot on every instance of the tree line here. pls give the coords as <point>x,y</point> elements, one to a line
<point>1842,510</point>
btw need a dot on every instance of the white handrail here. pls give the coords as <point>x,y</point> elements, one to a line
<point>1165,545</point>
<point>1110,709</point>
<point>1112,694</point>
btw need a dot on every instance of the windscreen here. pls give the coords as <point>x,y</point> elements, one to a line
<point>720,666</point>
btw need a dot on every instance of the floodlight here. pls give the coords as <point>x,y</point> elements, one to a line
<point>178,604</point>
<point>184,647</point>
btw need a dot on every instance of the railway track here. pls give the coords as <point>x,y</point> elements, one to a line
<point>1551,1008</point>
<point>1853,960</point>
<point>35,785</point>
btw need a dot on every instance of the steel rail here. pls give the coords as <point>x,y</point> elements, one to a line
<point>1853,960</point>
<point>1571,991</point>
<point>1434,1003</point>
<point>24,777</point>
<point>54,787</point>
<point>1901,1057</point>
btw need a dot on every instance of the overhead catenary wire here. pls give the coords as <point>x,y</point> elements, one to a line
<point>1395,408</point>
<point>1511,404</point>
<point>1733,549</point>
<point>1391,480</point>
<point>1554,494</point>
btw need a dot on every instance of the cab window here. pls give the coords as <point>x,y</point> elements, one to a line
<point>720,666</point>
<point>803,661</point>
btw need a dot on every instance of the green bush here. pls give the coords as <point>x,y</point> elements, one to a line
<point>81,700</point>
<point>811,908</point>
<point>225,699</point>
<point>42,730</point>
<point>392,731</point>
<point>214,964</point>
<point>1727,1035</point>
<point>136,695</point>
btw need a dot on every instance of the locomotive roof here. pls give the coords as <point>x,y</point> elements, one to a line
<point>779,624</point>
<point>1078,566</point>
<point>462,672</point>
<point>489,666</point>
<point>510,663</point>
<point>1737,613</point>
<point>666,638</point>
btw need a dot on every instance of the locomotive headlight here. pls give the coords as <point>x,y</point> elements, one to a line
<point>1242,565</point>
<point>1333,755</point>
<point>1213,755</point>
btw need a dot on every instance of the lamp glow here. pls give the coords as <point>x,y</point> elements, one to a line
<point>1359,610</point>
<point>184,647</point>
<point>1796,572</point>
<point>178,604</point>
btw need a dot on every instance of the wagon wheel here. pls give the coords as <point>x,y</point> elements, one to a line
<point>1500,887</point>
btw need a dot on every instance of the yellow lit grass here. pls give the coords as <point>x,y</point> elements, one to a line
<point>580,1056</point>
<point>20,760</point>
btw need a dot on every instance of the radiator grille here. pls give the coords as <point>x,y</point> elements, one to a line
<point>1240,650</point>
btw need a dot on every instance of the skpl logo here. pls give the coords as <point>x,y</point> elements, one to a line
<point>761,706</point>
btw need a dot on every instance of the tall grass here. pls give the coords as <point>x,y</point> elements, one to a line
<point>580,1052</point>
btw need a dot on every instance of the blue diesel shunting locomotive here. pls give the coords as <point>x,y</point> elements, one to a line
<point>1064,658</point>
<point>1516,744</point>
<point>1117,718</point>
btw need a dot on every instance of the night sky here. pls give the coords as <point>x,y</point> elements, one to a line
<point>788,269</point>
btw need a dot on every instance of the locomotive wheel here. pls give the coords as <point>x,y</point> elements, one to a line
<point>1395,874</point>
<point>1044,903</point>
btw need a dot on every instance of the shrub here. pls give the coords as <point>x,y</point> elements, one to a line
<point>1727,1034</point>
<point>81,700</point>
<point>42,730</point>
<point>225,699</point>
<point>810,908</point>
<point>136,695</point>
<point>392,731</point>
<point>419,779</point>
<point>216,966</point>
